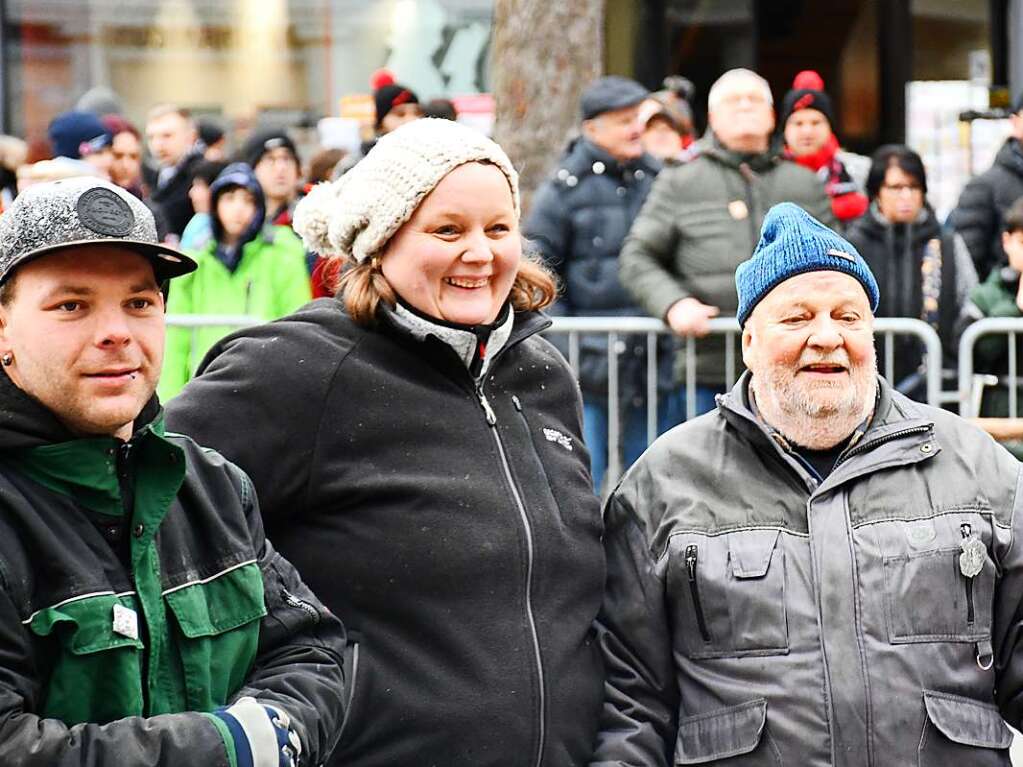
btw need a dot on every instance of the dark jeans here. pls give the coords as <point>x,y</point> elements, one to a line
<point>671,411</point>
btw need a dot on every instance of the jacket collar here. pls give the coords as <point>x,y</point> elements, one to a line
<point>26,423</point>
<point>925,220</point>
<point>1010,156</point>
<point>898,430</point>
<point>757,161</point>
<point>582,155</point>
<point>523,325</point>
<point>477,346</point>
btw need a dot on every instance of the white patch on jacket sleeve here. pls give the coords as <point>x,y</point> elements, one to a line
<point>553,435</point>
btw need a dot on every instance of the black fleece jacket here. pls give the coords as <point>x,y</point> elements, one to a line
<point>457,536</point>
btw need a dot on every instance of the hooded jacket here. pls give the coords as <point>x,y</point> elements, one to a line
<point>979,215</point>
<point>237,175</point>
<point>578,220</point>
<point>786,620</point>
<point>264,276</point>
<point>168,537</point>
<point>450,522</point>
<point>700,221</point>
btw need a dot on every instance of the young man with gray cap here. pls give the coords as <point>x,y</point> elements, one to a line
<point>822,571</point>
<point>144,617</point>
<point>578,220</point>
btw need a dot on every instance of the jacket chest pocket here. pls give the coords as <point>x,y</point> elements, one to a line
<point>931,593</point>
<point>94,672</point>
<point>729,592</point>
<point>217,633</point>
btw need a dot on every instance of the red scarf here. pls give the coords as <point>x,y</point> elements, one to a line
<point>817,160</point>
<point>846,203</point>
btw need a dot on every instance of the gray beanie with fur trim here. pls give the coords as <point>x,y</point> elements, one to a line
<point>355,216</point>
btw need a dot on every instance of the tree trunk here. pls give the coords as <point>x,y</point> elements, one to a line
<point>544,53</point>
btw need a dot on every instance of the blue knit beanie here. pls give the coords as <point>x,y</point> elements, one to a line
<point>793,242</point>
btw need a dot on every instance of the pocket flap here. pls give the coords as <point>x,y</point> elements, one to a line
<point>721,734</point>
<point>750,552</point>
<point>967,721</point>
<point>89,622</point>
<point>219,604</point>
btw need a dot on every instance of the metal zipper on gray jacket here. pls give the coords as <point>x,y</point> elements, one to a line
<point>492,422</point>
<point>692,561</point>
<point>871,444</point>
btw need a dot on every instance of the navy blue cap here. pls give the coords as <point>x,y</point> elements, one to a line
<point>610,93</point>
<point>74,134</point>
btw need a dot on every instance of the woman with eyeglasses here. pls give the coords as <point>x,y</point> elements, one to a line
<point>924,272</point>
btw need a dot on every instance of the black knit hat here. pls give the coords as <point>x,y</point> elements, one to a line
<point>262,141</point>
<point>807,93</point>
<point>387,94</point>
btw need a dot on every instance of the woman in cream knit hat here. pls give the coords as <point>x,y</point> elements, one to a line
<point>416,449</point>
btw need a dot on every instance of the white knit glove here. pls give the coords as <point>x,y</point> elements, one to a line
<point>262,734</point>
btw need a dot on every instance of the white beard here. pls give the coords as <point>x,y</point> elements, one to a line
<point>816,415</point>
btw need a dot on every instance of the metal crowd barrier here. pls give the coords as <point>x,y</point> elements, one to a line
<point>230,322</point>
<point>616,327</point>
<point>970,385</point>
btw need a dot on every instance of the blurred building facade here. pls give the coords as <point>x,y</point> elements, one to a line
<point>291,60</point>
<point>295,59</point>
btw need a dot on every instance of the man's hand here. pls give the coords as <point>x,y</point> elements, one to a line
<point>689,317</point>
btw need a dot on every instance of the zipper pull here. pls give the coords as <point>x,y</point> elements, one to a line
<point>491,418</point>
<point>515,401</point>
<point>691,561</point>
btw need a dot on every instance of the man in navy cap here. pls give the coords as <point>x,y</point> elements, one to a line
<point>579,219</point>
<point>821,571</point>
<point>144,617</point>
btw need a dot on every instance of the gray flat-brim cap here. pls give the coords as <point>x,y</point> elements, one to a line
<point>75,212</point>
<point>610,93</point>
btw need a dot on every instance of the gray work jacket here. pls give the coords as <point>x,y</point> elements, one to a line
<point>755,615</point>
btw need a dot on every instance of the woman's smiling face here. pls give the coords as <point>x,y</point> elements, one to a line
<point>457,257</point>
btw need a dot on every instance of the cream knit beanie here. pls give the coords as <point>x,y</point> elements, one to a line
<point>356,215</point>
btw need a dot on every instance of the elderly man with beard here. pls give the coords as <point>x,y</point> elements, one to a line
<point>821,571</point>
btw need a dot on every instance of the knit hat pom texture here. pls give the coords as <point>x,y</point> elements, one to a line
<point>355,216</point>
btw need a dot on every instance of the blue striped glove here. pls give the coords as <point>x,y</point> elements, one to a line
<point>261,733</point>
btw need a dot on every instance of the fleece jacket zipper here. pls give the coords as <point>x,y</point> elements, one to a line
<point>524,518</point>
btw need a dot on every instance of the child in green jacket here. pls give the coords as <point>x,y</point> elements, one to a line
<point>246,269</point>
<point>1000,295</point>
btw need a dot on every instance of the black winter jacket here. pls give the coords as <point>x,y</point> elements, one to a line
<point>454,530</point>
<point>90,526</point>
<point>895,254</point>
<point>578,220</point>
<point>172,198</point>
<point>979,216</point>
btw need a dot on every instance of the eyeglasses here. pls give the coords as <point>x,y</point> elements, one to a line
<point>900,188</point>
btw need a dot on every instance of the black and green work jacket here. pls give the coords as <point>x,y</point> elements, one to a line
<point>137,594</point>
